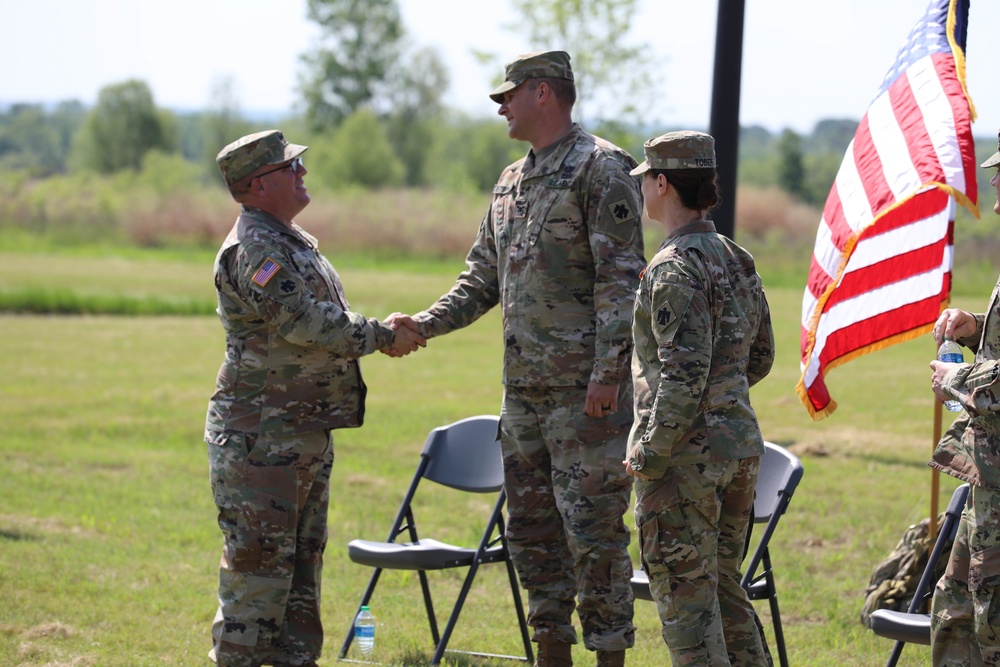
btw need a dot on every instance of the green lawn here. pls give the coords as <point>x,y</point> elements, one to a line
<point>108,543</point>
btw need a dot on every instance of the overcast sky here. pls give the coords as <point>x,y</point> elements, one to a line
<point>803,61</point>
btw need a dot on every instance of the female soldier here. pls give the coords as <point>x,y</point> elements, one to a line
<point>702,334</point>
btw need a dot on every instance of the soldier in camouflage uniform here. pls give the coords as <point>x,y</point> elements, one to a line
<point>702,335</point>
<point>560,250</point>
<point>965,619</point>
<point>290,375</point>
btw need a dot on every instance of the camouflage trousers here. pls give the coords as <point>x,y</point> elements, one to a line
<point>567,492</point>
<point>272,496</point>
<point>692,549</point>
<point>965,611</point>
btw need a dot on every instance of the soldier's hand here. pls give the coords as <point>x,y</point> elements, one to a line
<point>407,341</point>
<point>953,323</point>
<point>602,400</point>
<point>408,336</point>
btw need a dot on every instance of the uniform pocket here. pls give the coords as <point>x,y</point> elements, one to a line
<point>984,569</point>
<point>677,576</point>
<point>984,575</point>
<point>257,529</point>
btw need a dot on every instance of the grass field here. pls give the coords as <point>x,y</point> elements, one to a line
<point>108,543</point>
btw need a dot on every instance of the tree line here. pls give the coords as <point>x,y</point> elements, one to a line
<point>370,106</point>
<point>363,148</point>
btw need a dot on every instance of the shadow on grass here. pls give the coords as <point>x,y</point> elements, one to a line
<point>818,453</point>
<point>14,536</point>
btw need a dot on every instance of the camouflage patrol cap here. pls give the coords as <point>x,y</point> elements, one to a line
<point>247,154</point>
<point>541,64</point>
<point>995,158</point>
<point>678,150</point>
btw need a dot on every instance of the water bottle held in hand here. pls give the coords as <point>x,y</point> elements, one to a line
<point>364,631</point>
<point>951,353</point>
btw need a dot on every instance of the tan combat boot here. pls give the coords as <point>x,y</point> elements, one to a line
<point>611,658</point>
<point>555,654</point>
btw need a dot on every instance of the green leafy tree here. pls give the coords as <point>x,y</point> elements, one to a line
<point>791,171</point>
<point>611,70</point>
<point>757,156</point>
<point>467,155</point>
<point>122,127</point>
<point>832,135</point>
<point>67,118</point>
<point>821,172</point>
<point>358,153</point>
<point>29,142</point>
<point>415,111</point>
<point>359,47</point>
<point>222,123</point>
<point>825,150</point>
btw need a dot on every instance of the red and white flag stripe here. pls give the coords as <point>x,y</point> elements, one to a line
<point>881,266</point>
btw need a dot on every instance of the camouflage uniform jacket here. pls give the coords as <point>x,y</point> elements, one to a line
<point>292,343</point>
<point>970,449</point>
<point>560,249</point>
<point>703,337</point>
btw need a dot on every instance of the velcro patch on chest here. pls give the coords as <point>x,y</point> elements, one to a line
<point>266,271</point>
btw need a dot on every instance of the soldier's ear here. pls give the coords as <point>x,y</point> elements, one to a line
<point>543,91</point>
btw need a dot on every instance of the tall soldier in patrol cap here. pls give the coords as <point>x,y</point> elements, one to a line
<point>703,337</point>
<point>560,250</point>
<point>965,612</point>
<point>290,375</point>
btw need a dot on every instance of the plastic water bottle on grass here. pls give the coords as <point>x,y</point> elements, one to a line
<point>950,352</point>
<point>364,631</point>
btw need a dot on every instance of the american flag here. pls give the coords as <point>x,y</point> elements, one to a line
<point>266,272</point>
<point>881,267</point>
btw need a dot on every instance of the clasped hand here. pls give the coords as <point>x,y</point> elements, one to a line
<point>408,337</point>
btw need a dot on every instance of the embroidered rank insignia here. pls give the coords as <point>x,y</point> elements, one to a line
<point>266,272</point>
<point>621,211</point>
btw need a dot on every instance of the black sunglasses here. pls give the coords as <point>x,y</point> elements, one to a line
<point>295,165</point>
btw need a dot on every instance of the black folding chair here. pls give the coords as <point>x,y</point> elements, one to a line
<point>464,455</point>
<point>780,472</point>
<point>913,626</point>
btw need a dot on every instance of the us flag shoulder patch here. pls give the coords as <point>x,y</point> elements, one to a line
<point>266,272</point>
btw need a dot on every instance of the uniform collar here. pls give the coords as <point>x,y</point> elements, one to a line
<point>258,217</point>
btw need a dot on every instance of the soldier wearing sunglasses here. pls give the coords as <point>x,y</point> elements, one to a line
<point>290,376</point>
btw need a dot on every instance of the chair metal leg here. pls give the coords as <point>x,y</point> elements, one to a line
<point>429,606</point>
<point>897,650</point>
<point>515,591</point>
<point>522,620</point>
<point>442,643</point>
<point>486,543</point>
<point>772,599</point>
<point>364,601</point>
<point>779,635</point>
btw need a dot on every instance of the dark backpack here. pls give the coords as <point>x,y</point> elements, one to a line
<point>895,579</point>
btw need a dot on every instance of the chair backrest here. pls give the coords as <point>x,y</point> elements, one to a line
<point>780,472</point>
<point>465,455</point>
<point>954,511</point>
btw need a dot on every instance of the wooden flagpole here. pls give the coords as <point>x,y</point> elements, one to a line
<point>935,473</point>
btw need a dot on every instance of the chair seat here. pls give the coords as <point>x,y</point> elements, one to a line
<point>902,626</point>
<point>425,554</point>
<point>640,586</point>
